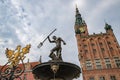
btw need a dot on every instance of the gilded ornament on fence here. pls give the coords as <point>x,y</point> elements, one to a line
<point>14,56</point>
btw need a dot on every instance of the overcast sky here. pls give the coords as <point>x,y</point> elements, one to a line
<point>30,21</point>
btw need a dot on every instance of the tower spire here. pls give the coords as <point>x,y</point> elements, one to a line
<point>80,25</point>
<point>79,20</point>
<point>108,27</point>
<point>77,11</point>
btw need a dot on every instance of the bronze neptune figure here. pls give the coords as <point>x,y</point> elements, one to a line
<point>57,48</point>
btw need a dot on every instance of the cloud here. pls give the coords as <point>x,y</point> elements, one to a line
<point>102,7</point>
<point>79,3</point>
<point>30,21</point>
<point>97,13</point>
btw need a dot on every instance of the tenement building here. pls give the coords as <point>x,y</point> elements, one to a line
<point>99,54</point>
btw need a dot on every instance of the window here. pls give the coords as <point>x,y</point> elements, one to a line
<point>107,62</point>
<point>88,65</point>
<point>109,42</point>
<point>83,40</point>
<point>102,78</point>
<point>98,64</point>
<point>100,44</point>
<point>117,61</point>
<point>91,78</point>
<point>85,46</point>
<point>86,51</point>
<point>92,44</point>
<point>94,50</point>
<point>102,49</point>
<point>117,46</point>
<point>112,78</point>
<point>111,49</point>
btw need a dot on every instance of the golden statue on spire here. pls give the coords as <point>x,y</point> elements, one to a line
<point>14,56</point>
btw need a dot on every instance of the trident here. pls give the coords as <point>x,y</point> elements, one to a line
<point>41,43</point>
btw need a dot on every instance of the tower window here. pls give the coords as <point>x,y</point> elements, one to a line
<point>112,78</point>
<point>91,78</point>
<point>88,65</point>
<point>117,61</point>
<point>102,78</point>
<point>107,62</point>
<point>98,64</point>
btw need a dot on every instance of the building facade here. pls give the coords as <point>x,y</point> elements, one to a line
<point>99,54</point>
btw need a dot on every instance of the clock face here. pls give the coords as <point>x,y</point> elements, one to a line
<point>82,30</point>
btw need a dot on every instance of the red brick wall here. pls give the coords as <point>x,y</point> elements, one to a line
<point>90,47</point>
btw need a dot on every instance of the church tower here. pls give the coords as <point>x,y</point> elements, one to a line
<point>99,54</point>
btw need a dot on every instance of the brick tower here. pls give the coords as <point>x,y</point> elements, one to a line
<point>99,54</point>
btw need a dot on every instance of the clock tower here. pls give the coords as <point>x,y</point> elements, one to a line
<point>99,54</point>
<point>80,25</point>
